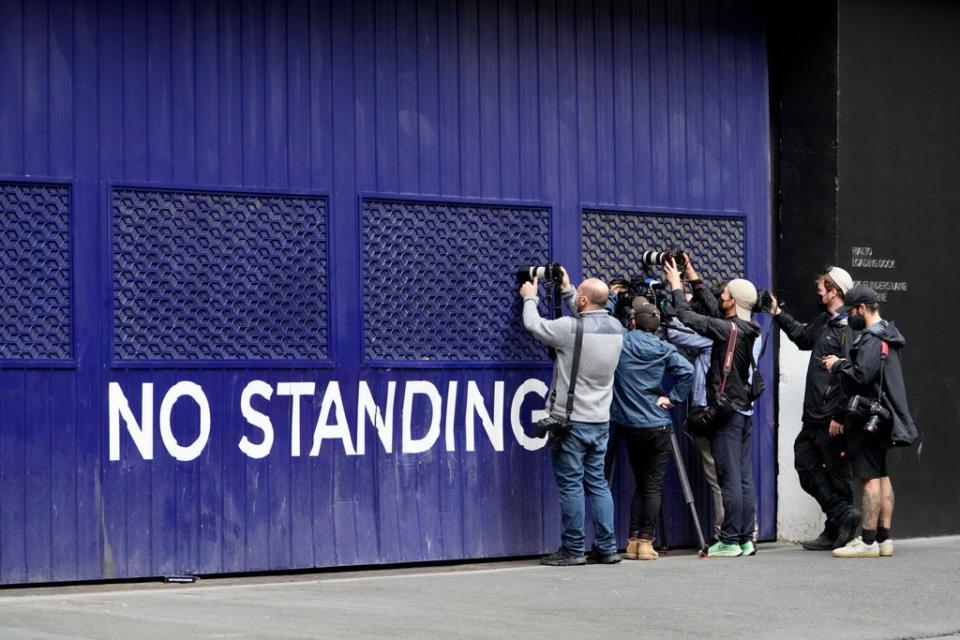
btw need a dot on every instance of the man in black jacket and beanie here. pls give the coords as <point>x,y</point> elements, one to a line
<point>872,372</point>
<point>731,440</point>
<point>820,462</point>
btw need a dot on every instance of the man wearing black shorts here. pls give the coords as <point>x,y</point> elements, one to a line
<point>874,357</point>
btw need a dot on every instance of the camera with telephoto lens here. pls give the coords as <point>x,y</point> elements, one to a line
<point>659,258</point>
<point>553,272</point>
<point>869,408</point>
<point>764,301</point>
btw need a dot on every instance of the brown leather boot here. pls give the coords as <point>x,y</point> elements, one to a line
<point>645,550</point>
<point>633,545</point>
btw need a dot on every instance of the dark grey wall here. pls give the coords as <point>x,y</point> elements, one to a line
<point>803,50</point>
<point>868,124</point>
<point>899,195</point>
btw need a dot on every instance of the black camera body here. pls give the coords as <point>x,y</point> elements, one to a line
<point>652,290</point>
<point>552,272</point>
<point>870,409</point>
<point>549,425</point>
<point>764,301</point>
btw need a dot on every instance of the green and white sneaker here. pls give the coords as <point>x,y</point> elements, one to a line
<point>721,549</point>
<point>748,549</point>
<point>886,548</point>
<point>857,548</point>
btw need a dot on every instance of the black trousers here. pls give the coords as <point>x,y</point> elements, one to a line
<point>649,453</point>
<point>824,470</point>
<point>732,446</point>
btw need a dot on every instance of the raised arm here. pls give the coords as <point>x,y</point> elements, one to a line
<point>802,335</point>
<point>713,328</point>
<point>682,371</point>
<point>680,336</point>
<point>567,293</point>
<point>701,292</point>
<point>554,333</point>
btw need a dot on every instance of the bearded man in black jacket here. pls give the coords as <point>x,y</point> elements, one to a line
<point>819,459</point>
<point>873,372</point>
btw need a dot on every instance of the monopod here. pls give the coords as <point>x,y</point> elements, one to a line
<point>687,493</point>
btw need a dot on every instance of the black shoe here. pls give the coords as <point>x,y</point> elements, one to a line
<point>824,542</point>
<point>563,558</point>
<point>847,528</point>
<point>596,557</point>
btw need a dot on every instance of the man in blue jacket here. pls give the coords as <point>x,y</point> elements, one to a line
<point>640,415</point>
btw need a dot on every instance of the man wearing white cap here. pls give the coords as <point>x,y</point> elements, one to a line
<point>731,362</point>
<point>820,459</point>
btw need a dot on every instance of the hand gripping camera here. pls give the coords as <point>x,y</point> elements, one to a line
<point>764,301</point>
<point>870,409</point>
<point>552,273</point>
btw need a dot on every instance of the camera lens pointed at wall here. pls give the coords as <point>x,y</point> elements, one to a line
<point>553,272</point>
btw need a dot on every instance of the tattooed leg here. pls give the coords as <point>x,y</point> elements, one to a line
<point>886,504</point>
<point>870,503</point>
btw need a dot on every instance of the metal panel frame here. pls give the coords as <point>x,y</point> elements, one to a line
<point>429,199</point>
<point>110,187</point>
<point>70,363</point>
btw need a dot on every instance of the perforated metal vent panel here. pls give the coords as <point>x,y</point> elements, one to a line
<point>219,276</point>
<point>35,272</point>
<point>613,242</point>
<point>439,279</point>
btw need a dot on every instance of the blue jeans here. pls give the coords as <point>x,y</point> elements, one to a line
<point>578,465</point>
<point>732,451</point>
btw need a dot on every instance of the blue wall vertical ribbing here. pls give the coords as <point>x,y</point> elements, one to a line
<point>645,106</point>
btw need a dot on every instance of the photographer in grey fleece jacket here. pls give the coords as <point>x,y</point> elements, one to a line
<point>578,453</point>
<point>602,341</point>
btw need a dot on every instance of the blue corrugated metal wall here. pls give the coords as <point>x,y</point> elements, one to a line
<point>129,129</point>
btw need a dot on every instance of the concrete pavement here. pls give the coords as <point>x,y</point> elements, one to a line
<point>783,592</point>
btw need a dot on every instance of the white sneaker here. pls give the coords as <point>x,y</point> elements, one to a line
<point>886,548</point>
<point>857,548</point>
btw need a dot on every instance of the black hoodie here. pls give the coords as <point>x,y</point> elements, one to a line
<point>861,375</point>
<point>736,388</point>
<point>825,335</point>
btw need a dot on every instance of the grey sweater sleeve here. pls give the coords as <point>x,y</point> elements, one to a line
<point>554,333</point>
<point>570,300</point>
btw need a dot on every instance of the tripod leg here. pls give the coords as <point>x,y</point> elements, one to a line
<point>687,493</point>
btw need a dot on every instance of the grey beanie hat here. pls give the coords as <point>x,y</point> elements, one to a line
<point>841,278</point>
<point>744,294</point>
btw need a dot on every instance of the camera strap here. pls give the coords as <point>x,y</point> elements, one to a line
<point>577,348</point>
<point>575,367</point>
<point>884,352</point>
<point>728,356</point>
